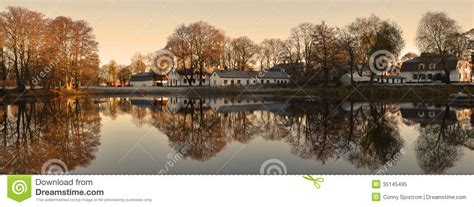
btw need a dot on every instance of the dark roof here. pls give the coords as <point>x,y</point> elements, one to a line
<point>236,74</point>
<point>190,71</point>
<point>252,74</point>
<point>428,116</point>
<point>148,76</point>
<point>427,59</point>
<point>275,74</point>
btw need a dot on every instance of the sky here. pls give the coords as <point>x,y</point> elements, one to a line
<point>124,27</point>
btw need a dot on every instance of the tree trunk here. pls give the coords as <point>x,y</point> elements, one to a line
<point>4,71</point>
<point>447,79</point>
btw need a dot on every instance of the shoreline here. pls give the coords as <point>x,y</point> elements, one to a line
<point>361,92</point>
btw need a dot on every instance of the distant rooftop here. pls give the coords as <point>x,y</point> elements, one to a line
<point>427,60</point>
<point>273,74</point>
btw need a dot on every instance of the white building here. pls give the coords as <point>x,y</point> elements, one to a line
<point>186,76</point>
<point>242,78</point>
<point>429,68</point>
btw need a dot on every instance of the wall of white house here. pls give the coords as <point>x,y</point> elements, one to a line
<point>223,102</point>
<point>459,75</point>
<point>174,79</point>
<point>142,83</point>
<point>218,81</point>
<point>463,73</point>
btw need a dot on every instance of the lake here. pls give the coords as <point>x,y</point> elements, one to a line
<point>182,135</point>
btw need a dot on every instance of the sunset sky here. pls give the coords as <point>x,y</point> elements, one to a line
<point>124,27</point>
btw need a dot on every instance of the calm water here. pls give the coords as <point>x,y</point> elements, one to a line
<point>226,136</point>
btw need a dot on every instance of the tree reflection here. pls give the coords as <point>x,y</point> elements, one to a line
<point>35,132</point>
<point>440,146</point>
<point>380,139</point>
<point>364,134</point>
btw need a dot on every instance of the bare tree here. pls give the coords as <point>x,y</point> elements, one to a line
<point>198,43</point>
<point>138,64</point>
<point>244,50</point>
<point>373,34</point>
<point>124,74</point>
<point>351,49</point>
<point>326,49</point>
<point>301,38</point>
<point>113,69</point>
<point>3,61</point>
<point>22,43</point>
<point>270,52</point>
<point>436,34</point>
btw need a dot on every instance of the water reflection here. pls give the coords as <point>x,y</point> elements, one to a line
<point>34,132</point>
<point>363,136</point>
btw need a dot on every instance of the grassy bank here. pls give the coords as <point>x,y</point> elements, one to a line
<point>415,92</point>
<point>356,93</point>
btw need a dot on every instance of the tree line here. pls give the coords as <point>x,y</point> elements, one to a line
<point>45,52</point>
<point>61,52</point>
<point>323,51</point>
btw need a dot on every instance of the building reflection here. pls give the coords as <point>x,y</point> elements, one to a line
<point>366,135</point>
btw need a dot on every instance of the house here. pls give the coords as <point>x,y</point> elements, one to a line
<point>147,79</point>
<point>186,76</point>
<point>150,103</point>
<point>390,77</point>
<point>242,78</point>
<point>432,114</point>
<point>429,68</point>
<point>235,105</point>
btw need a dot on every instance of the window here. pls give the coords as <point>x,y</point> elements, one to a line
<point>262,81</point>
<point>203,80</point>
<point>185,81</point>
<point>423,76</point>
<point>248,82</point>
<point>415,76</point>
<point>238,81</point>
<point>232,82</point>
<point>268,81</point>
<point>430,76</point>
<point>225,82</point>
<point>215,82</point>
<point>421,66</point>
<point>274,80</point>
<point>432,66</point>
